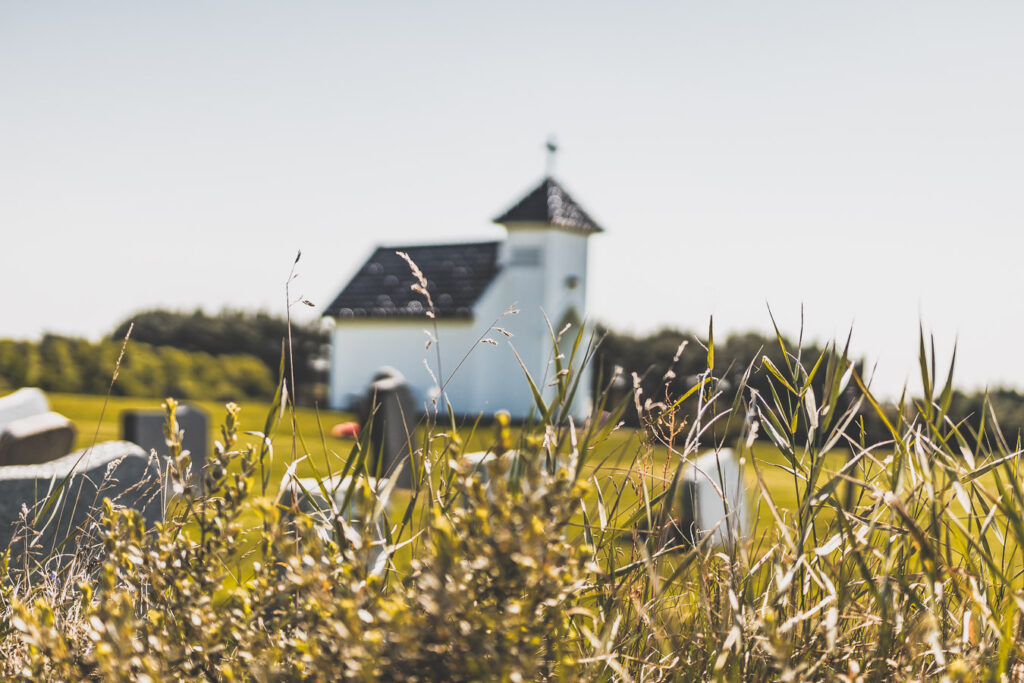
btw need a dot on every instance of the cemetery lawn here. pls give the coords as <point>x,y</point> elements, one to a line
<point>98,419</point>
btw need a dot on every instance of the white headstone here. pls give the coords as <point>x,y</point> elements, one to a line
<point>480,463</point>
<point>476,464</point>
<point>22,403</point>
<point>369,496</point>
<point>37,438</point>
<point>713,498</point>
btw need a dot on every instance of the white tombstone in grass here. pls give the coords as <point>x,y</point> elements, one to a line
<point>30,432</point>
<point>475,464</point>
<point>478,464</point>
<point>364,509</point>
<point>22,403</point>
<point>713,499</point>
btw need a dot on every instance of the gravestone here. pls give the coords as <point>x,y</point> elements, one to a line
<point>35,439</point>
<point>476,464</point>
<point>390,413</point>
<point>146,428</point>
<point>29,431</point>
<point>482,464</point>
<point>497,459</point>
<point>713,500</point>
<point>370,495</point>
<point>117,470</point>
<point>22,403</point>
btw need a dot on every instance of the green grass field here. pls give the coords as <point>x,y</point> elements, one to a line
<point>99,419</point>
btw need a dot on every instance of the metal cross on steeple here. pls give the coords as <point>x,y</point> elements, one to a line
<point>552,148</point>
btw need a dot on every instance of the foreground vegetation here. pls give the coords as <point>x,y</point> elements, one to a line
<point>897,559</point>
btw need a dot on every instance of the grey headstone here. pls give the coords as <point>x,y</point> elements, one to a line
<point>117,470</point>
<point>306,495</point>
<point>713,499</point>
<point>35,439</point>
<point>146,428</point>
<point>390,413</point>
<point>22,403</point>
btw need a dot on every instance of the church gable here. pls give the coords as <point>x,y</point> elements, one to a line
<point>457,275</point>
<point>550,204</point>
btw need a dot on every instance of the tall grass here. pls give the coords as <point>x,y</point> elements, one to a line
<point>898,560</point>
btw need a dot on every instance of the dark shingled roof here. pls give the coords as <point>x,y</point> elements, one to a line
<point>550,203</point>
<point>456,274</point>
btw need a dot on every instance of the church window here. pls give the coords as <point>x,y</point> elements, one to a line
<point>525,256</point>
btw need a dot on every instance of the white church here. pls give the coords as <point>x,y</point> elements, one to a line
<point>539,269</point>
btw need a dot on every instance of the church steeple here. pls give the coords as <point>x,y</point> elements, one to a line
<point>549,204</point>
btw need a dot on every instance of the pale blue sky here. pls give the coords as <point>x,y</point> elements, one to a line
<point>863,159</point>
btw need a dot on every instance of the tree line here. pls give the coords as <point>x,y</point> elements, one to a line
<point>232,332</point>
<point>68,365</point>
<point>232,355</point>
<point>666,373</point>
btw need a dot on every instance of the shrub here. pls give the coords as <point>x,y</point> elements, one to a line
<point>488,594</point>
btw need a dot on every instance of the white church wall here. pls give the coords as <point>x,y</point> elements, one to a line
<point>525,260</point>
<point>489,378</point>
<point>361,347</point>
<point>568,259</point>
<point>502,384</point>
<point>566,278</point>
<point>537,262</point>
<point>571,250</point>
